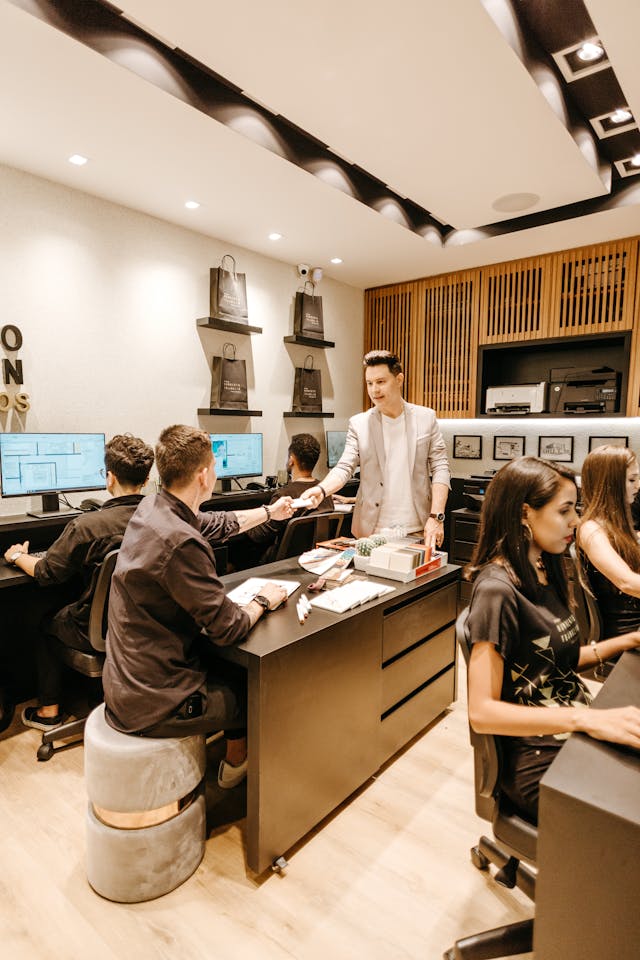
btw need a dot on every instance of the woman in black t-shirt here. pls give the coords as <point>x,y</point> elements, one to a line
<point>525,641</point>
<point>608,548</point>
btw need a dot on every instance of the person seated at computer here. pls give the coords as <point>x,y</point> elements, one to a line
<point>168,609</point>
<point>608,548</point>
<point>78,552</point>
<point>525,641</point>
<point>260,544</point>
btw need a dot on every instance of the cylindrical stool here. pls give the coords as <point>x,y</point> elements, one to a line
<point>146,814</point>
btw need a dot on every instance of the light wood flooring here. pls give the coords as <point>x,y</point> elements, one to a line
<point>387,877</point>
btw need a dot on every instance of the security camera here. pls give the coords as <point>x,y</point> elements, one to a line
<point>304,270</point>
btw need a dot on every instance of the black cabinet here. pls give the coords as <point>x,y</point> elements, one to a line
<point>465,528</point>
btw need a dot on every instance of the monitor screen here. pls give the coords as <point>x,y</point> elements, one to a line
<point>41,463</point>
<point>335,445</point>
<point>237,454</point>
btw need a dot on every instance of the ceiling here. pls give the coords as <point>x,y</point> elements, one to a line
<point>433,99</point>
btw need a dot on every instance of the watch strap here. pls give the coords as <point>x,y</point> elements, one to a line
<point>437,516</point>
<point>262,600</point>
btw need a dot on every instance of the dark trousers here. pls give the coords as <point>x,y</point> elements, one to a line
<point>220,705</point>
<point>524,767</point>
<point>50,669</point>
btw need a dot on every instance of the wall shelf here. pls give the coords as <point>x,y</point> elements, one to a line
<point>322,413</point>
<point>221,412</point>
<point>229,326</point>
<point>309,341</point>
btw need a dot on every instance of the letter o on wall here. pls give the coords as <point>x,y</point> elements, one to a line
<point>5,402</point>
<point>16,336</point>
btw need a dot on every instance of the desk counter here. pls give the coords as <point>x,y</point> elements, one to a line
<point>332,699</point>
<point>589,841</point>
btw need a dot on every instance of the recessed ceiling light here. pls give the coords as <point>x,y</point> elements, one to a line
<point>192,204</point>
<point>515,202</point>
<point>635,161</point>
<point>589,52</point>
<point>336,260</point>
<point>621,115</point>
<point>275,236</point>
<point>78,160</point>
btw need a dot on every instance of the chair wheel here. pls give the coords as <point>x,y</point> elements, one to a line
<point>478,858</point>
<point>45,751</point>
<point>450,954</point>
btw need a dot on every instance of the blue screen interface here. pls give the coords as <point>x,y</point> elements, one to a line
<point>34,463</point>
<point>237,454</point>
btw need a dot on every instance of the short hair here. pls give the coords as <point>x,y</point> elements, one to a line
<point>129,459</point>
<point>378,358</point>
<point>305,449</point>
<point>180,452</point>
<point>526,480</point>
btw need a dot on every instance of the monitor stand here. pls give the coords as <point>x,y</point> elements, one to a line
<point>51,508</point>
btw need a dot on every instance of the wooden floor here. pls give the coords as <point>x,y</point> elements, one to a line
<point>388,877</point>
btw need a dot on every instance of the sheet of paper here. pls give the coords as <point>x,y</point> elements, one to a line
<point>245,592</point>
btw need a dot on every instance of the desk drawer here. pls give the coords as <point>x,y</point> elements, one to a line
<point>407,625</point>
<point>467,530</point>
<point>412,670</point>
<point>413,716</point>
<point>462,551</point>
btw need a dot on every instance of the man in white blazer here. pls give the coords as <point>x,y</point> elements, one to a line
<point>404,471</point>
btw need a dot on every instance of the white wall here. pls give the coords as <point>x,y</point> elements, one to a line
<point>531,428</point>
<point>107,300</point>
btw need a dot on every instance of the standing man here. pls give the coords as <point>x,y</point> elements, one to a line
<point>168,609</point>
<point>404,471</point>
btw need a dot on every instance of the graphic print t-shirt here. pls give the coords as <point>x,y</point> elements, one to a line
<point>539,643</point>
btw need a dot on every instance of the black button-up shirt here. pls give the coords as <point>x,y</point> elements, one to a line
<point>165,591</point>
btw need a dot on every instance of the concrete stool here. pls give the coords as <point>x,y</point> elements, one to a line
<point>146,814</point>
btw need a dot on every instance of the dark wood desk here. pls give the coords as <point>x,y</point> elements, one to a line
<point>331,700</point>
<point>589,841</point>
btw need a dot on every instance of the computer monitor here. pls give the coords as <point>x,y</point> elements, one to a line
<point>49,464</point>
<point>336,440</point>
<point>237,455</point>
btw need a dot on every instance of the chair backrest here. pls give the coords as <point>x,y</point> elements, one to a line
<point>486,750</point>
<point>100,602</point>
<point>302,533</point>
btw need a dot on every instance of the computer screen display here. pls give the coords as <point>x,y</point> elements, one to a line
<point>40,463</point>
<point>237,454</point>
<point>335,445</point>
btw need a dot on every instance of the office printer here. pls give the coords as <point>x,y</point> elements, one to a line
<point>518,398</point>
<point>586,391</point>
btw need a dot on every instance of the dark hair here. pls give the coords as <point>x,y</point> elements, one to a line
<point>526,480</point>
<point>604,495</point>
<point>129,459</point>
<point>305,449</point>
<point>378,358</point>
<point>180,452</point>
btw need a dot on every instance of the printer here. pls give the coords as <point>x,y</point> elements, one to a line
<point>586,391</point>
<point>518,399</point>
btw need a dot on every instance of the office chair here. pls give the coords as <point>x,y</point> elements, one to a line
<point>515,840</point>
<point>302,533</point>
<point>88,664</point>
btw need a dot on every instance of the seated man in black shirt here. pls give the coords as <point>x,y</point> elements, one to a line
<point>78,552</point>
<point>168,609</point>
<point>260,544</point>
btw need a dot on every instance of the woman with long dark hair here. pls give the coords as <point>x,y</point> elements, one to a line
<point>608,548</point>
<point>525,641</point>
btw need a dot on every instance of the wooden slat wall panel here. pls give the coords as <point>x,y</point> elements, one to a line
<point>447,340</point>
<point>516,300</point>
<point>594,288</point>
<point>633,392</point>
<point>389,316</point>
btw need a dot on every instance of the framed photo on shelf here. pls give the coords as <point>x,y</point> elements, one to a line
<point>609,441</point>
<point>556,448</point>
<point>508,448</point>
<point>467,447</point>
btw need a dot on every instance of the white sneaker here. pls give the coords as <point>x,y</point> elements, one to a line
<point>230,776</point>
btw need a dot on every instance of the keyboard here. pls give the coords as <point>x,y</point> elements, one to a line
<point>350,595</point>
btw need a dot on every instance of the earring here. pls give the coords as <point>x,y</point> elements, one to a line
<point>528,532</point>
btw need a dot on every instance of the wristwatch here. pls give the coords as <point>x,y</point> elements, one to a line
<point>264,603</point>
<point>437,516</point>
<point>14,556</point>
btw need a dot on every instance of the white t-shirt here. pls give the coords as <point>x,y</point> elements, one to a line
<point>396,508</point>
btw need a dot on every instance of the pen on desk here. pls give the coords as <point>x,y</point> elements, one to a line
<point>300,612</point>
<point>306,606</point>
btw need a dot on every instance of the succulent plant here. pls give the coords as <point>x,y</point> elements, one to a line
<point>365,546</point>
<point>378,540</point>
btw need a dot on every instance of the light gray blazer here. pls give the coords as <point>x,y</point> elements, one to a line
<point>365,448</point>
